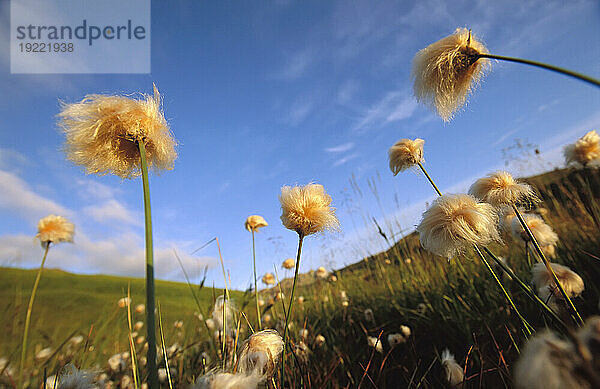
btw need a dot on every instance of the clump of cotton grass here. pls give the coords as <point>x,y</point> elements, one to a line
<point>445,72</point>
<point>55,229</point>
<point>319,340</point>
<point>123,136</point>
<point>103,134</point>
<point>405,153</point>
<point>268,279</point>
<point>221,380</point>
<point>453,372</point>
<point>547,289</point>
<point>456,222</point>
<point>500,188</point>
<point>223,313</point>
<point>549,362</point>
<point>289,263</point>
<point>74,378</point>
<point>306,210</point>
<point>395,339</point>
<point>542,232</point>
<point>253,224</point>
<point>321,273</point>
<point>52,229</point>
<point>260,353</point>
<point>585,152</point>
<point>375,343</point>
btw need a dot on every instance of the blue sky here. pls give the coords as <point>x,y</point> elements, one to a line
<point>265,94</point>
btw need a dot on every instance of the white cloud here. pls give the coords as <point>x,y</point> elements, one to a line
<point>394,106</point>
<point>345,159</point>
<point>299,111</point>
<point>112,210</point>
<point>347,91</point>
<point>296,65</point>
<point>93,189</point>
<point>17,197</point>
<point>340,148</point>
<point>123,255</point>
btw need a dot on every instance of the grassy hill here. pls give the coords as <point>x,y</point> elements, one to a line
<point>71,304</point>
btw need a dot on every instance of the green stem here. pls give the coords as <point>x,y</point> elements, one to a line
<point>289,310</point>
<point>429,178</point>
<point>28,317</point>
<point>573,311</point>
<point>150,299</point>
<point>255,283</point>
<point>528,291</point>
<point>528,327</point>
<point>553,68</point>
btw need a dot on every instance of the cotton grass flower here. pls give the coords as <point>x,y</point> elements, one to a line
<point>405,330</point>
<point>501,188</point>
<point>375,343</point>
<point>300,299</point>
<point>303,333</point>
<point>405,153</point>
<point>454,223</point>
<point>542,232</point>
<point>445,72</point>
<point>319,340</point>
<point>453,371</point>
<point>44,354</point>
<point>395,339</point>
<point>321,273</point>
<point>260,353</point>
<point>572,283</point>
<point>547,362</point>
<point>255,222</point>
<point>307,209</point>
<point>103,132</point>
<point>584,152</point>
<point>55,229</point>
<point>223,308</point>
<point>140,308</point>
<point>220,380</point>
<point>123,302</point>
<point>76,379</point>
<point>288,263</point>
<point>138,325</point>
<point>268,279</point>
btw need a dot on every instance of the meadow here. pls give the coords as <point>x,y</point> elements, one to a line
<point>446,304</point>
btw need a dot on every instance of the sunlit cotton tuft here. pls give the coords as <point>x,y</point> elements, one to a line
<point>501,188</point>
<point>445,72</point>
<point>103,132</point>
<point>454,223</point>
<point>255,222</point>
<point>584,152</point>
<point>307,209</point>
<point>55,229</point>
<point>405,153</point>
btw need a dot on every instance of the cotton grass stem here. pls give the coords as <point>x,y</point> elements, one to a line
<point>542,65</point>
<point>526,325</point>
<point>528,291</point>
<point>573,311</point>
<point>289,310</point>
<point>150,299</point>
<point>429,178</point>
<point>28,317</point>
<point>255,283</point>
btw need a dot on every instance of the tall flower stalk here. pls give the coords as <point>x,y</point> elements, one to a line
<point>124,136</point>
<point>306,210</point>
<point>51,229</point>
<point>500,188</point>
<point>253,224</point>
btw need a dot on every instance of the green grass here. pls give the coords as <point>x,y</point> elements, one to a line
<point>453,305</point>
<point>72,304</point>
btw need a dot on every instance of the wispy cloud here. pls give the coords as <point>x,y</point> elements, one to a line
<point>295,66</point>
<point>340,148</point>
<point>112,211</point>
<point>299,111</point>
<point>394,106</point>
<point>345,159</point>
<point>347,91</point>
<point>19,198</point>
<point>123,255</point>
